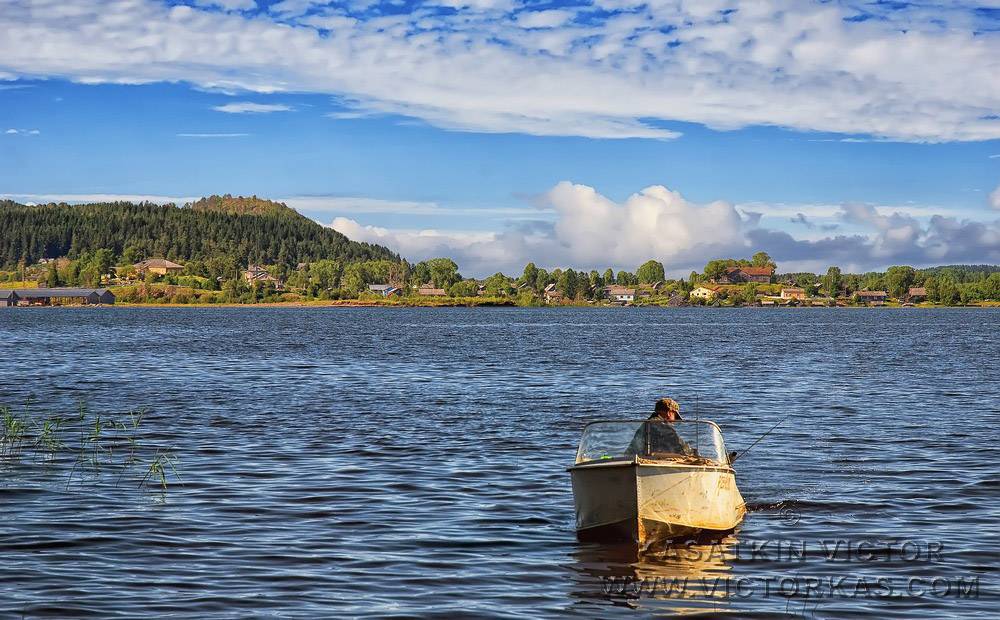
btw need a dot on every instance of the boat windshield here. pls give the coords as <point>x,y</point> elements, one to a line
<point>694,442</point>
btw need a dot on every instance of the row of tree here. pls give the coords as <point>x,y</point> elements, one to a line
<point>340,277</point>
<point>233,230</point>
<point>945,285</point>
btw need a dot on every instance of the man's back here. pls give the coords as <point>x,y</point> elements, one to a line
<point>663,439</point>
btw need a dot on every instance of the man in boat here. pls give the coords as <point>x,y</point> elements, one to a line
<point>662,436</point>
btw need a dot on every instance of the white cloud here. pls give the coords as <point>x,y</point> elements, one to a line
<point>915,73</point>
<point>22,132</point>
<point>591,231</point>
<point>212,135</point>
<point>544,19</point>
<point>89,198</point>
<point>580,228</point>
<point>995,198</point>
<point>248,107</point>
<point>345,204</point>
<point>294,7</point>
<point>229,5</point>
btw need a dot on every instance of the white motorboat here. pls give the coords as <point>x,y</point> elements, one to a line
<point>651,480</point>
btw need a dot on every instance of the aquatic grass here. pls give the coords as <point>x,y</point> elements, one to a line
<point>14,434</point>
<point>91,444</point>
<point>157,470</point>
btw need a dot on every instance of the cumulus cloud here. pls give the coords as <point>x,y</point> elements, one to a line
<point>615,69</point>
<point>995,198</point>
<point>248,107</point>
<point>592,231</point>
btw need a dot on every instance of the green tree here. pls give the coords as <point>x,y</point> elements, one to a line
<point>443,272</point>
<point>650,272</point>
<point>595,279</point>
<point>831,281</point>
<point>873,281</point>
<point>762,259</point>
<point>609,277</point>
<point>498,285</point>
<point>746,295</point>
<point>625,278</point>
<point>947,291</point>
<point>991,287</point>
<point>568,284</point>
<point>899,279</point>
<point>464,288</point>
<point>530,275</point>
<point>542,280</point>
<point>52,277</point>
<point>931,284</point>
<point>715,269</point>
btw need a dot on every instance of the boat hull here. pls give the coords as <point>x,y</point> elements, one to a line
<point>645,502</point>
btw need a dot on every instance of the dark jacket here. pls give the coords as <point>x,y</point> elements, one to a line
<point>662,438</point>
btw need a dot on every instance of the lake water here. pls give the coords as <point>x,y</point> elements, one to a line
<point>411,462</point>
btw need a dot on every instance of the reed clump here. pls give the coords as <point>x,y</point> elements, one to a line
<point>90,445</point>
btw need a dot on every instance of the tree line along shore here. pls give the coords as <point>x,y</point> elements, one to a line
<point>438,282</point>
<point>249,250</point>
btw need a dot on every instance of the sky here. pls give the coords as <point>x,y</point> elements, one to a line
<point>587,134</point>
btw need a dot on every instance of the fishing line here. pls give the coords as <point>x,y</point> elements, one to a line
<point>740,455</point>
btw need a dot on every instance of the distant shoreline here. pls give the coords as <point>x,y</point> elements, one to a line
<point>354,303</point>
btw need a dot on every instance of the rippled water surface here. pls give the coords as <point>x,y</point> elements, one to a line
<point>411,462</point>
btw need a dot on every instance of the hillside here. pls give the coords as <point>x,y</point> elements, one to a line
<point>248,229</point>
<point>242,205</point>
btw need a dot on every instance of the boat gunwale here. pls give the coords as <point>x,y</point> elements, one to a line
<point>596,464</point>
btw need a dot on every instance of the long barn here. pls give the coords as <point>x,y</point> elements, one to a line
<point>45,296</point>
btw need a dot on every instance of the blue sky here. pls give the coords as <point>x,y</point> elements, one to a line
<point>497,132</point>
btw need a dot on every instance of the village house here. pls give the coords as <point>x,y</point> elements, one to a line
<point>872,298</point>
<point>553,296</point>
<point>159,266</point>
<point>428,290</point>
<point>619,293</point>
<point>705,292</point>
<point>383,290</point>
<point>793,293</point>
<point>916,294</point>
<point>258,274</point>
<point>738,275</point>
<point>649,290</point>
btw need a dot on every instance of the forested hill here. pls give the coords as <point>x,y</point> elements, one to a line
<point>246,229</point>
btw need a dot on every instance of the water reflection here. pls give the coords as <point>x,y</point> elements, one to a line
<point>683,578</point>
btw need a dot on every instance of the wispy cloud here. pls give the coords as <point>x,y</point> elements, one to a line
<point>22,132</point>
<point>89,198</point>
<point>212,135</point>
<point>337,205</point>
<point>249,107</point>
<point>613,69</point>
<point>228,5</point>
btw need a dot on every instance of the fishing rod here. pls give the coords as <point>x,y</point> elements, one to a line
<point>740,455</point>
